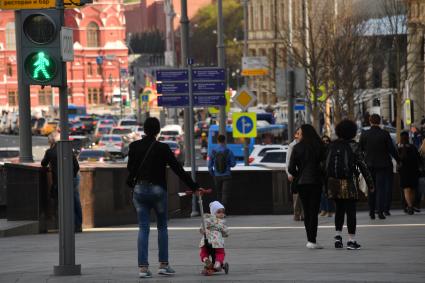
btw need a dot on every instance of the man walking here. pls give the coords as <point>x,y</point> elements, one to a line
<point>379,148</point>
<point>219,164</point>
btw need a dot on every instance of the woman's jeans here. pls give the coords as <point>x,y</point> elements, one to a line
<point>145,198</point>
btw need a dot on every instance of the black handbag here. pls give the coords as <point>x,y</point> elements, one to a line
<point>132,178</point>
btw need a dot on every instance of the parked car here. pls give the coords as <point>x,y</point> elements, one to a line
<point>95,155</point>
<point>114,144</point>
<point>39,124</point>
<point>105,122</point>
<point>171,132</point>
<point>274,159</point>
<point>177,149</point>
<point>260,150</point>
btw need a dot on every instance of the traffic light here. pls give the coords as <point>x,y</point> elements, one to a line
<point>41,48</point>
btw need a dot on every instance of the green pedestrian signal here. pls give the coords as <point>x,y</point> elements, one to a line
<point>40,66</point>
<point>40,52</point>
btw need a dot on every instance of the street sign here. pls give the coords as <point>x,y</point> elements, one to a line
<point>67,44</point>
<point>244,98</point>
<point>40,4</point>
<point>244,125</point>
<point>209,87</point>
<point>99,60</point>
<point>215,110</point>
<point>173,88</point>
<point>209,100</point>
<point>173,100</point>
<point>408,112</point>
<point>299,107</point>
<point>172,75</point>
<point>209,74</point>
<point>255,66</point>
<point>145,98</point>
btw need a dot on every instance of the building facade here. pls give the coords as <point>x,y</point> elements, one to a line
<point>100,53</point>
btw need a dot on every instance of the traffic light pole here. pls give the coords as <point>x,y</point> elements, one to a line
<point>25,137</point>
<point>67,264</point>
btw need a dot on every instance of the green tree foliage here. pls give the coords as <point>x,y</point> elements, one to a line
<point>204,36</point>
<point>151,42</point>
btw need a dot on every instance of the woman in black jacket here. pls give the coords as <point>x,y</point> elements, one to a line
<point>409,170</point>
<point>305,167</point>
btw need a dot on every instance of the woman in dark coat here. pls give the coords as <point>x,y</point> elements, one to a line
<point>306,173</point>
<point>408,169</point>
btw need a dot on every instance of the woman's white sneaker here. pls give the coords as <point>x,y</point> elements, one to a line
<point>314,246</point>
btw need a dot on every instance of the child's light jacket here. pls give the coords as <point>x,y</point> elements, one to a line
<point>216,231</point>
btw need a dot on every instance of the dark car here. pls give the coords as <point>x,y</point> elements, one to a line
<point>89,122</point>
<point>177,149</point>
<point>77,128</point>
<point>79,143</point>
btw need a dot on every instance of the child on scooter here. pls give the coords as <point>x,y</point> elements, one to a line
<point>216,231</point>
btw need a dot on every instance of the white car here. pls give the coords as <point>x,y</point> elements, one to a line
<point>114,144</point>
<point>260,150</point>
<point>171,132</point>
<point>274,159</point>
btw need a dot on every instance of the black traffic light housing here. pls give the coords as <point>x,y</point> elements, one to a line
<point>40,47</point>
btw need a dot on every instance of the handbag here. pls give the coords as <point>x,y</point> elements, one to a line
<point>132,178</point>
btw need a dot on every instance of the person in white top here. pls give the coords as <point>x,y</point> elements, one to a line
<point>298,209</point>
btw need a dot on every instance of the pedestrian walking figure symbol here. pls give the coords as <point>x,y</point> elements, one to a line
<point>41,64</point>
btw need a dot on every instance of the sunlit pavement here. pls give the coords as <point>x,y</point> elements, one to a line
<point>259,249</point>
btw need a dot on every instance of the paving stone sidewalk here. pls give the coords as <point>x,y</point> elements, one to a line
<point>269,248</point>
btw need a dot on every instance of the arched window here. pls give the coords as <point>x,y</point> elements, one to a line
<point>9,70</point>
<point>10,36</point>
<point>92,35</point>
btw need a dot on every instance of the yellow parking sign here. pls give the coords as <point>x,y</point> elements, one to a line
<point>244,125</point>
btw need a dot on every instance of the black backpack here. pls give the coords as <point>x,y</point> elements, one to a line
<point>220,161</point>
<point>340,160</point>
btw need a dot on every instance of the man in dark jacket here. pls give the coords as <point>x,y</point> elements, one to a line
<point>51,159</point>
<point>379,150</point>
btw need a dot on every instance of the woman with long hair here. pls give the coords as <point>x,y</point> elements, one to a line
<point>408,170</point>
<point>306,173</point>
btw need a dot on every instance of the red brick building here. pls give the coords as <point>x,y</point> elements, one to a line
<point>147,15</point>
<point>99,30</point>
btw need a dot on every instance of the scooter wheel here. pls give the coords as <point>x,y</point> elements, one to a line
<point>226,268</point>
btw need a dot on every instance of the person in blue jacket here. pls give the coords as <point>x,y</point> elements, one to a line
<point>220,163</point>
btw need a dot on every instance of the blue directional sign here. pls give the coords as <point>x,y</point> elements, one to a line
<point>209,74</point>
<point>244,125</point>
<point>299,107</point>
<point>173,100</point>
<point>173,88</point>
<point>209,87</point>
<point>209,100</point>
<point>172,75</point>
<point>145,98</point>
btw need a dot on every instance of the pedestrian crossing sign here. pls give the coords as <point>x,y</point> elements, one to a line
<point>244,125</point>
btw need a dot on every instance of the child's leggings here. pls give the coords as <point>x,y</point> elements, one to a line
<point>219,254</point>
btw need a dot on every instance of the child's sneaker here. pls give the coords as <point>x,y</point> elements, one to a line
<point>207,263</point>
<point>165,269</point>
<point>217,266</point>
<point>144,272</point>
<point>338,242</point>
<point>352,245</point>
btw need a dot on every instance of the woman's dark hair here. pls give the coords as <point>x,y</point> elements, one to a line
<point>346,129</point>
<point>375,119</point>
<point>310,137</point>
<point>404,137</point>
<point>326,138</point>
<point>151,126</point>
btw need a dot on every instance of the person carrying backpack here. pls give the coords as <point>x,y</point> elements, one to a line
<point>344,163</point>
<point>219,164</point>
